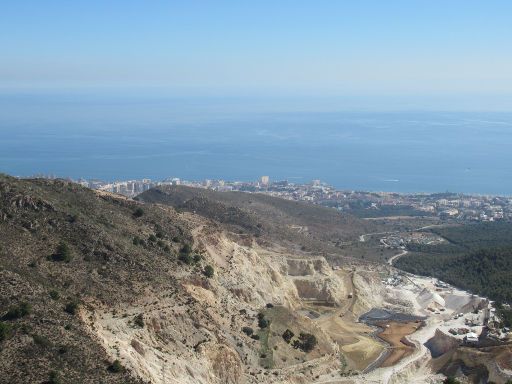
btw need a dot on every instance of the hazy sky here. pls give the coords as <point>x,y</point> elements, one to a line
<point>340,47</point>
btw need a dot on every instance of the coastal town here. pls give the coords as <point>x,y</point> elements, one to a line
<point>445,206</point>
<point>369,204</point>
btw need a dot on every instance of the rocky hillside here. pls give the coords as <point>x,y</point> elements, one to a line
<point>298,224</point>
<point>97,288</point>
<point>61,247</point>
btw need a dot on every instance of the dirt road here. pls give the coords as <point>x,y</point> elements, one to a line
<point>397,256</point>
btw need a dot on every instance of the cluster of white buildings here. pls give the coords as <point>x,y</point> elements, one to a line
<point>446,206</point>
<point>128,188</point>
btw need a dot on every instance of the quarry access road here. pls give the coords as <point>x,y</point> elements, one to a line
<point>397,256</point>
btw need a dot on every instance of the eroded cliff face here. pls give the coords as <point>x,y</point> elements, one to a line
<point>194,334</point>
<point>476,364</point>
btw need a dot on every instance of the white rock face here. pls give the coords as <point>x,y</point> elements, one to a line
<point>194,336</point>
<point>307,267</point>
<point>427,298</point>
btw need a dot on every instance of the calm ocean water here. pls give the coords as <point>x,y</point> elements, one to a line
<point>133,137</point>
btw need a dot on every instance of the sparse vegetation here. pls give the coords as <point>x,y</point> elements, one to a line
<point>185,255</point>
<point>38,228</point>
<point>139,320</point>
<point>306,342</point>
<point>186,249</point>
<point>71,307</point>
<point>209,271</point>
<point>5,330</point>
<point>288,336</point>
<point>18,311</point>
<point>116,367</point>
<point>186,258</point>
<point>63,349</point>
<point>41,341</point>
<point>54,378</point>
<point>262,322</point>
<point>62,253</point>
<point>504,314</point>
<point>138,212</point>
<point>309,341</point>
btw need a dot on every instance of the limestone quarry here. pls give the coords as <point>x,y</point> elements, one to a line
<point>203,342</point>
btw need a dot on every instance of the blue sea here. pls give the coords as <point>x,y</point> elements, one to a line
<point>117,136</point>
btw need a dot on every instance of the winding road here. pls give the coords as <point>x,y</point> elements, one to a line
<point>397,256</point>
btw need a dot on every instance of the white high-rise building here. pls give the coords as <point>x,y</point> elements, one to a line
<point>264,180</point>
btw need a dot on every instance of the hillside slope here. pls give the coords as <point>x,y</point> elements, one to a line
<point>97,288</point>
<point>486,272</point>
<point>300,224</point>
<point>476,257</point>
<point>97,259</point>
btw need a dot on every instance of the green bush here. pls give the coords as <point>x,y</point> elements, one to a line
<point>288,335</point>
<point>41,340</point>
<point>186,249</point>
<point>139,320</point>
<point>139,212</point>
<point>62,253</point>
<point>18,311</point>
<point>71,307</point>
<point>54,294</point>
<point>54,378</point>
<point>63,349</point>
<point>208,271</point>
<point>308,342</point>
<point>116,367</point>
<point>263,323</point>
<point>152,238</point>
<point>248,331</point>
<point>186,258</point>
<point>5,330</point>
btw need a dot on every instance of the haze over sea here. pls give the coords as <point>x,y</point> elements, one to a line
<point>116,137</point>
